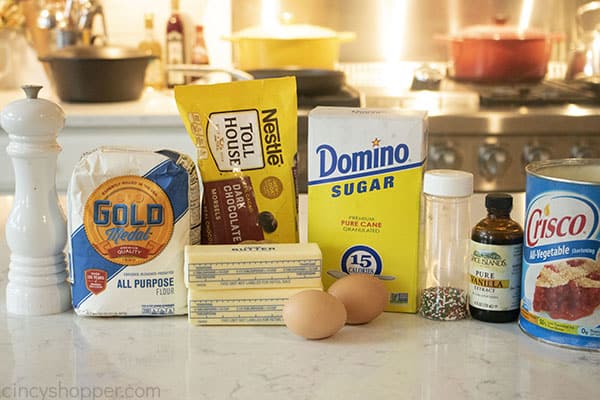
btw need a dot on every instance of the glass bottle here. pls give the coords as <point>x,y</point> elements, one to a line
<point>175,45</point>
<point>151,46</point>
<point>444,245</point>
<point>495,267</point>
<point>199,52</point>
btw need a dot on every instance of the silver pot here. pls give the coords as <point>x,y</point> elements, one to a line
<point>584,60</point>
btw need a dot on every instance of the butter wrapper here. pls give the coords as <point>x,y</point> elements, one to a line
<point>239,307</point>
<point>253,266</point>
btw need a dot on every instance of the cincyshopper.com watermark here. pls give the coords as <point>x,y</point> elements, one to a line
<point>62,391</point>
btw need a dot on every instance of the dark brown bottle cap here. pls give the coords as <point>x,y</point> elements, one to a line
<point>499,201</point>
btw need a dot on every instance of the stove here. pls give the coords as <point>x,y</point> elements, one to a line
<point>513,126</point>
<point>346,96</point>
<point>490,130</point>
<point>314,87</point>
<point>545,93</point>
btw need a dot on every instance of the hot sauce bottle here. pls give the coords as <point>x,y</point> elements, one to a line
<point>495,266</point>
<point>199,52</point>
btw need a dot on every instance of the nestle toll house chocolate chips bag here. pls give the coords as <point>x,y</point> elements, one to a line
<point>245,133</point>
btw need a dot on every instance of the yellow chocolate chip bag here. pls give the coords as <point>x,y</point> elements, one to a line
<point>245,133</point>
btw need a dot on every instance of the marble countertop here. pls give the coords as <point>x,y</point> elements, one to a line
<point>154,108</point>
<point>397,356</point>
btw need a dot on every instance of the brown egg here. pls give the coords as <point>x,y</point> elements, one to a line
<point>363,295</point>
<point>314,314</point>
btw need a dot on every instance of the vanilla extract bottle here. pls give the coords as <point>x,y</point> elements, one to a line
<point>495,266</point>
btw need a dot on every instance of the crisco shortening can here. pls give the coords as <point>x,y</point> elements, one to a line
<point>365,171</point>
<point>560,295</point>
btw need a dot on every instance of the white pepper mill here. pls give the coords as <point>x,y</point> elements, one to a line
<point>36,231</point>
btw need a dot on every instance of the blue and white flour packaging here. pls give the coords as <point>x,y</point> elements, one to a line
<point>130,214</point>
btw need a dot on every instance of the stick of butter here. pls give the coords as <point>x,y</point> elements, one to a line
<point>239,307</point>
<point>245,266</point>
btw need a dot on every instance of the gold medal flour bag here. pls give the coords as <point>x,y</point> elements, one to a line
<point>245,134</point>
<point>130,214</point>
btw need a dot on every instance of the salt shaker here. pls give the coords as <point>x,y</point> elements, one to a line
<point>36,231</point>
<point>444,244</point>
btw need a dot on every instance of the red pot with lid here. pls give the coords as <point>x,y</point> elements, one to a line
<point>499,54</point>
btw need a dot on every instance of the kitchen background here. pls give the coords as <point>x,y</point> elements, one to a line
<point>490,130</point>
<point>125,22</point>
<point>386,30</point>
<point>406,30</point>
<point>125,26</point>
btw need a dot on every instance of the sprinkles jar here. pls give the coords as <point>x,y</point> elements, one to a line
<point>444,244</point>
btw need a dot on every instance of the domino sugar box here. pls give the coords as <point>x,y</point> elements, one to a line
<point>365,172</point>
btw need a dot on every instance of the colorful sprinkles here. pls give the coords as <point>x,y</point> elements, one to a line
<point>444,303</point>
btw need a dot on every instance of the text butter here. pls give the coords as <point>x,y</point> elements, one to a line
<point>244,266</point>
<point>239,307</point>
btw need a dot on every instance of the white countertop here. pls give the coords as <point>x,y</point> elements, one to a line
<point>154,108</point>
<point>397,356</point>
<point>152,122</point>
